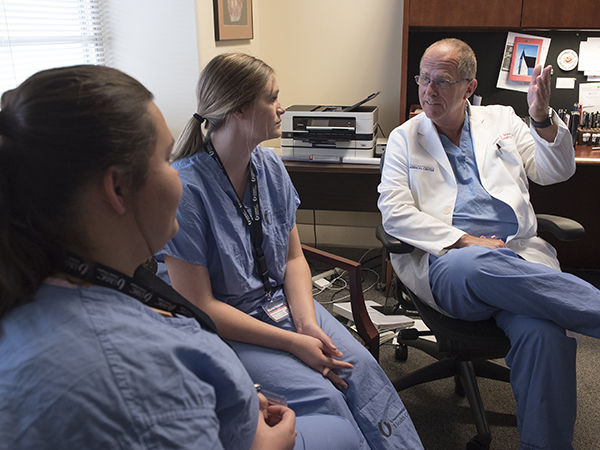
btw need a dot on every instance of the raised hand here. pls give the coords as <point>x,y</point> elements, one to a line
<point>538,95</point>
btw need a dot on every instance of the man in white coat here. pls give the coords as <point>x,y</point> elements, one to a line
<point>455,186</point>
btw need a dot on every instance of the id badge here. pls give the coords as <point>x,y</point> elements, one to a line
<point>278,310</point>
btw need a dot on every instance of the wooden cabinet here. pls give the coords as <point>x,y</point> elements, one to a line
<point>559,14</point>
<point>554,14</point>
<point>465,13</point>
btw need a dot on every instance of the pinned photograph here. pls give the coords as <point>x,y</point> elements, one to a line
<point>525,55</point>
<point>515,82</point>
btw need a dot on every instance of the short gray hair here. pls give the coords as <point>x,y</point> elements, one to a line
<point>467,63</point>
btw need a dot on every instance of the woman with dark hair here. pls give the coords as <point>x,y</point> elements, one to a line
<point>238,256</point>
<point>87,194</point>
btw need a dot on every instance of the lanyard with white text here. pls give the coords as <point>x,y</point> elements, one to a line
<point>252,221</point>
<point>160,296</point>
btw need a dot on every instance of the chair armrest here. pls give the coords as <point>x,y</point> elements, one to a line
<point>364,326</point>
<point>390,243</point>
<point>561,227</point>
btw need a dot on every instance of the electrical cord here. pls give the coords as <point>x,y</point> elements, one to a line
<point>331,286</point>
<point>364,290</point>
<point>338,290</point>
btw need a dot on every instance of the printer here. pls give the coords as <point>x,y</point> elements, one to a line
<point>329,133</point>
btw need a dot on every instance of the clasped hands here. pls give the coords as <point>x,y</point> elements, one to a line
<point>466,240</point>
<point>317,350</point>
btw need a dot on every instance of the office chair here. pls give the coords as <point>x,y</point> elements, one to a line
<point>463,349</point>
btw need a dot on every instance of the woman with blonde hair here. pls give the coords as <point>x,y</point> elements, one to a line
<point>238,256</point>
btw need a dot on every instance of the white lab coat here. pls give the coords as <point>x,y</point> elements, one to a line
<point>418,188</point>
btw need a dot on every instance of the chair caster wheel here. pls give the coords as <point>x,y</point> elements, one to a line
<point>401,352</point>
<point>475,444</point>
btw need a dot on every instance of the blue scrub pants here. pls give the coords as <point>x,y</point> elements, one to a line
<point>534,305</point>
<point>321,432</point>
<point>370,404</point>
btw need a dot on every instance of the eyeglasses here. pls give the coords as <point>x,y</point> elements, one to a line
<point>441,84</point>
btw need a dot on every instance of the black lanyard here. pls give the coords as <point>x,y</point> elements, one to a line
<point>160,296</point>
<point>252,221</point>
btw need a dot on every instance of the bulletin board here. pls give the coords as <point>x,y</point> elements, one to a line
<point>489,48</point>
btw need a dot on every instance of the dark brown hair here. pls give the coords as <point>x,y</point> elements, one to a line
<point>60,129</point>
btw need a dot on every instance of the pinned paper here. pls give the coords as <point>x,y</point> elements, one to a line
<point>512,45</point>
<point>565,83</point>
<point>589,96</point>
<point>589,56</point>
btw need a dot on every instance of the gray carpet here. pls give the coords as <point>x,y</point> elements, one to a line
<point>442,418</point>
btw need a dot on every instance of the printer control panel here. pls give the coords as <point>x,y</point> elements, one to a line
<point>307,123</point>
<point>333,128</point>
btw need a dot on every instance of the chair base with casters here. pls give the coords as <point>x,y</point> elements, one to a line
<point>463,349</point>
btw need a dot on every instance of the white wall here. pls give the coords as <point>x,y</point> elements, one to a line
<point>323,51</point>
<point>155,41</point>
<point>335,51</point>
<point>209,48</point>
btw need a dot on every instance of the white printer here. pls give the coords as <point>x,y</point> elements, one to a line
<point>329,133</point>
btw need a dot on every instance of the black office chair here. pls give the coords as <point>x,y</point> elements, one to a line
<point>463,349</point>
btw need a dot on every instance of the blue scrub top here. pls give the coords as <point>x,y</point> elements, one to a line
<point>476,212</point>
<point>212,232</point>
<point>94,368</point>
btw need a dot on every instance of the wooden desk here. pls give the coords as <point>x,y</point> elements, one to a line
<point>335,187</point>
<point>577,198</point>
<point>585,156</point>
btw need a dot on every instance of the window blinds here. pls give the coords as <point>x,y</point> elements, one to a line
<point>41,34</point>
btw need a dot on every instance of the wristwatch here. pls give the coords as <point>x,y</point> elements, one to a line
<point>544,123</point>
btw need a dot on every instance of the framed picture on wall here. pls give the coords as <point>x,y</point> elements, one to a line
<point>233,19</point>
<point>525,56</point>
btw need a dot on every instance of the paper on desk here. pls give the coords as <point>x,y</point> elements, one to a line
<point>589,96</point>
